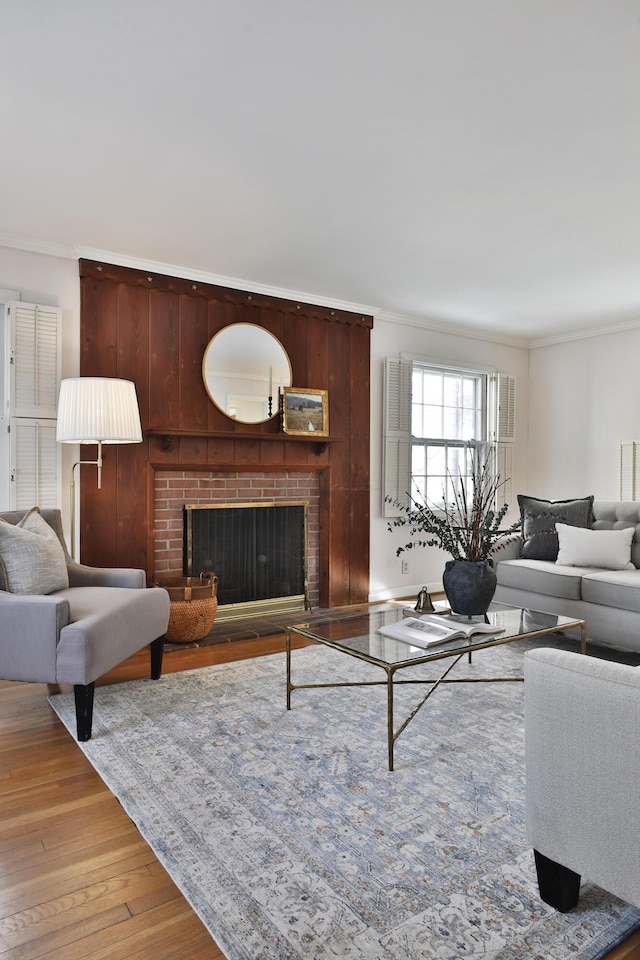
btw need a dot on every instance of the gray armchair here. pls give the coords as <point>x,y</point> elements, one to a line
<point>75,634</point>
<point>582,737</point>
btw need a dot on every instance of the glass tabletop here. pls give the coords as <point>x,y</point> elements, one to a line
<point>359,634</point>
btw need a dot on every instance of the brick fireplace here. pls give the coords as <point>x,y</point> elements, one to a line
<point>173,489</point>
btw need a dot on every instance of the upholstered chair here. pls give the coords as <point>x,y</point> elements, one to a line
<point>582,751</point>
<point>62,622</point>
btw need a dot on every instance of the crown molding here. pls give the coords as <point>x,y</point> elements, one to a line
<point>65,250</point>
<point>77,252</point>
<point>622,327</point>
<point>453,329</point>
<point>235,283</point>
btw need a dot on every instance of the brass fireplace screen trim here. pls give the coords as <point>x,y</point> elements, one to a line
<point>226,505</point>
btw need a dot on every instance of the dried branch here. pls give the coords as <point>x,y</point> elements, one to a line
<point>466,526</point>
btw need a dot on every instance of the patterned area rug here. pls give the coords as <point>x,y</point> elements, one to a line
<point>291,839</point>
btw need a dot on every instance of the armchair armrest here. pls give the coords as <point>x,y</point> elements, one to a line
<point>29,634</point>
<point>582,752</point>
<point>81,575</point>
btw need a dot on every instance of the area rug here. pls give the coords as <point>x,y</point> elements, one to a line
<point>291,839</point>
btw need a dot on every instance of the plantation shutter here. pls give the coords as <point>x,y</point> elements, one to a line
<point>504,469</point>
<point>35,333</point>
<point>502,408</point>
<point>396,467</point>
<point>34,376</point>
<point>502,432</point>
<point>629,470</point>
<point>34,463</point>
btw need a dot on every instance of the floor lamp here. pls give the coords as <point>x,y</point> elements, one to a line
<point>96,410</point>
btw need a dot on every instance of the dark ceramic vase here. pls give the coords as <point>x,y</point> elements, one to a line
<point>469,586</point>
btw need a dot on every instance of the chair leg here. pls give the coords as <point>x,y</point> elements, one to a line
<point>559,886</point>
<point>157,649</point>
<point>84,694</point>
<point>84,710</point>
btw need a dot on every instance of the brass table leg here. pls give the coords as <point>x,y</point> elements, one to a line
<point>390,734</point>
<point>289,687</point>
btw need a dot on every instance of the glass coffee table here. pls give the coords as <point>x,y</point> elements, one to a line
<point>357,635</point>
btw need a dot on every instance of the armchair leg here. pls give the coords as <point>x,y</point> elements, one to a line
<point>84,710</point>
<point>157,649</point>
<point>559,886</point>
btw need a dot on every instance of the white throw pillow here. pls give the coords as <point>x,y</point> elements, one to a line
<point>608,549</point>
<point>32,556</point>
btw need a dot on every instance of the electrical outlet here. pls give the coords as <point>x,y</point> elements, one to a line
<point>405,566</point>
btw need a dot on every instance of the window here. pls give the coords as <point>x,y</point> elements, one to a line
<point>431,413</point>
<point>448,409</point>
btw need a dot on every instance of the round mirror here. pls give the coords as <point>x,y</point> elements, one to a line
<point>244,367</point>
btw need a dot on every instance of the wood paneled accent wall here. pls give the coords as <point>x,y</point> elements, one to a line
<point>154,329</point>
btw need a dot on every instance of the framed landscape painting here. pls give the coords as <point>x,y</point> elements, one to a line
<point>305,411</point>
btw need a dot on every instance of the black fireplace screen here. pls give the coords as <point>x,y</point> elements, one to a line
<point>257,551</point>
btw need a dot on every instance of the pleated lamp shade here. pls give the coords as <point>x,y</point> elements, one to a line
<point>98,410</point>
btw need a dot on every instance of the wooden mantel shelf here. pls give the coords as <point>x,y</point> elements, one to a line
<point>170,435</point>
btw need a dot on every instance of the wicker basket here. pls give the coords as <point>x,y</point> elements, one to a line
<point>194,603</point>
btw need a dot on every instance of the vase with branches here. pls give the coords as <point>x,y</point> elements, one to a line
<point>468,525</point>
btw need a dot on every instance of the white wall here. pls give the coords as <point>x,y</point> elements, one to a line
<point>584,400</point>
<point>389,339</point>
<point>53,281</point>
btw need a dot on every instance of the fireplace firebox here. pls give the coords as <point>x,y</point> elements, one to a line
<point>258,550</point>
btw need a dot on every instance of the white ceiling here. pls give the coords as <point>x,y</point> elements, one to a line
<point>466,161</point>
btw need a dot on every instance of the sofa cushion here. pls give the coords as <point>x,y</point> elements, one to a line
<point>33,560</point>
<point>609,549</point>
<point>616,514</point>
<point>102,621</point>
<point>539,517</point>
<point>542,576</point>
<point>613,588</point>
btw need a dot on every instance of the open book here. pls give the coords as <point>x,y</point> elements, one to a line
<point>429,629</point>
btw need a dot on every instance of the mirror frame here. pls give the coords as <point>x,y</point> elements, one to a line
<point>284,372</point>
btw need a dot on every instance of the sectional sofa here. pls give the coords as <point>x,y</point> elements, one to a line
<point>593,577</point>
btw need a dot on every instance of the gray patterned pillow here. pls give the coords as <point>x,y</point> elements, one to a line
<point>31,556</point>
<point>539,518</point>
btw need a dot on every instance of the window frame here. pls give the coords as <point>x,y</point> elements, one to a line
<point>449,451</point>
<point>397,439</point>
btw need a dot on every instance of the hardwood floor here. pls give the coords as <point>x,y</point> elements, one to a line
<point>77,881</point>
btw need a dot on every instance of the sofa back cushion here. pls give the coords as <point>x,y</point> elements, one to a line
<point>618,515</point>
